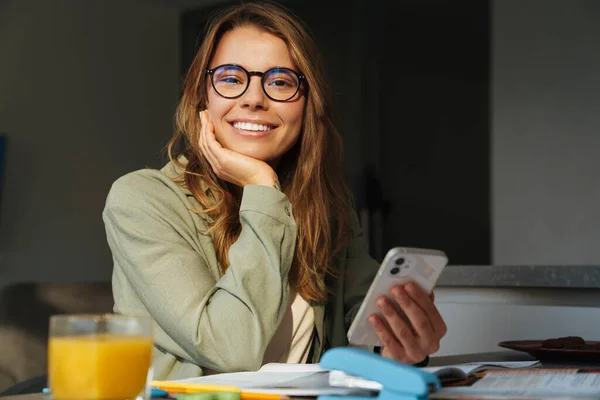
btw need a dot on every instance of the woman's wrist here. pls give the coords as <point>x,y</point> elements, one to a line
<point>268,180</point>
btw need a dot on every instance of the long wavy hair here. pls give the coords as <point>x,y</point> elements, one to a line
<point>310,173</point>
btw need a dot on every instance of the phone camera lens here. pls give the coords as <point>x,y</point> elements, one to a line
<point>394,270</point>
<point>399,261</point>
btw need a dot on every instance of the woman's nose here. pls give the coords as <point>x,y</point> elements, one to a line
<point>254,97</point>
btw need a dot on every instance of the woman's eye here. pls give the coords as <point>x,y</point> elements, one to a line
<point>230,80</point>
<point>280,83</point>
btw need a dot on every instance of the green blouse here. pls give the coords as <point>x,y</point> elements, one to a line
<point>166,267</point>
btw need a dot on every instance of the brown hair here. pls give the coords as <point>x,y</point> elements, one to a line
<point>310,173</point>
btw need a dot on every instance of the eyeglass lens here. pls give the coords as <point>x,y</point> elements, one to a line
<point>278,83</point>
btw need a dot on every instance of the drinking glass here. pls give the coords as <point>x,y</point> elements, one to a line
<point>99,357</point>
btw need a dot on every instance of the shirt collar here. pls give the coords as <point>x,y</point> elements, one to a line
<point>176,173</point>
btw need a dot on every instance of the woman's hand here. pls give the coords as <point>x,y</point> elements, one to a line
<point>412,337</point>
<point>233,167</point>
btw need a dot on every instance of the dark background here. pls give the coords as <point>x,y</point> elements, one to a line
<point>469,126</point>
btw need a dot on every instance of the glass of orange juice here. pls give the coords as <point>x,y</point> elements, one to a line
<point>99,357</point>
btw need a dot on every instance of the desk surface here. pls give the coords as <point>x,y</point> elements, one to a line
<point>507,355</point>
<point>37,396</point>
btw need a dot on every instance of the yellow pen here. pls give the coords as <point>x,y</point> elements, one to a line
<point>181,387</point>
<point>188,388</point>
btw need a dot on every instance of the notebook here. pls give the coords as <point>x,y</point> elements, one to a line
<point>464,371</point>
<point>283,379</point>
<point>532,385</point>
<point>312,380</point>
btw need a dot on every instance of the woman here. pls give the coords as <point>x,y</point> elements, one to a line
<point>244,249</point>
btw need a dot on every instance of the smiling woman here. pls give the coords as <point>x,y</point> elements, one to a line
<point>244,248</point>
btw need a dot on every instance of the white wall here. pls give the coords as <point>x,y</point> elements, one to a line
<point>87,92</point>
<point>546,132</point>
<point>480,318</point>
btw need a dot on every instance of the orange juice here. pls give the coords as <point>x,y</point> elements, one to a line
<point>98,367</point>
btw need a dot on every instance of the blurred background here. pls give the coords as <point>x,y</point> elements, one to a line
<point>472,126</point>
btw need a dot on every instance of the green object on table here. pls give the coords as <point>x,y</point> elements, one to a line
<point>210,396</point>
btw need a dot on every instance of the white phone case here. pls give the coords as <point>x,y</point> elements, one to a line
<point>400,266</point>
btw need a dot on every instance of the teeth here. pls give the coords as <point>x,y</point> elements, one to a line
<point>247,126</point>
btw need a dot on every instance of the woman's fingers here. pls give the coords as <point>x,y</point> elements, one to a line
<point>415,324</point>
<point>391,347</point>
<point>425,302</point>
<point>209,145</point>
<point>229,165</point>
<point>413,343</point>
<point>425,339</point>
<point>202,139</point>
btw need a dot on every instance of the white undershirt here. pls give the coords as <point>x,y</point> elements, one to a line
<point>292,340</point>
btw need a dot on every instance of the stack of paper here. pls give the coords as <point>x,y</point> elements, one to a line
<point>464,371</point>
<point>312,380</point>
<point>283,379</point>
<point>533,385</point>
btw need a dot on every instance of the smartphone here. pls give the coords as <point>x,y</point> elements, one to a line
<point>400,266</point>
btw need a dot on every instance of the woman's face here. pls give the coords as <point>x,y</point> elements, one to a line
<point>253,124</point>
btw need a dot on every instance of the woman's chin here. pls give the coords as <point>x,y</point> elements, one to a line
<point>256,154</point>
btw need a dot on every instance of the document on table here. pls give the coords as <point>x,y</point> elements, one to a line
<point>284,379</point>
<point>312,380</point>
<point>572,385</point>
<point>463,371</point>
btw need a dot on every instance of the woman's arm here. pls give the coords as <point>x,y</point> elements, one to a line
<point>222,324</point>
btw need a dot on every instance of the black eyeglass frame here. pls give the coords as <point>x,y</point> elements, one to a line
<point>250,74</point>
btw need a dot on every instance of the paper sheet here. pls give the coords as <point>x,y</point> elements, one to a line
<point>469,368</point>
<point>284,379</point>
<point>312,380</point>
<point>535,385</point>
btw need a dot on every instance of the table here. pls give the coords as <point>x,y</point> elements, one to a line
<point>37,396</point>
<point>505,355</point>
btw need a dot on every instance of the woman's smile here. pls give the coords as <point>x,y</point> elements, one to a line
<point>252,128</point>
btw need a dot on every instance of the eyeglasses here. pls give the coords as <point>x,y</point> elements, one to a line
<point>231,81</point>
